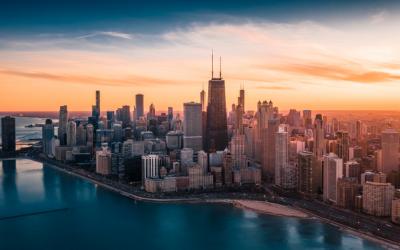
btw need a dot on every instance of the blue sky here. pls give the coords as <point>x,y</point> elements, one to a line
<point>62,16</point>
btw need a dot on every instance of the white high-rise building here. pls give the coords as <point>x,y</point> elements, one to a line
<point>192,126</point>
<point>202,160</point>
<point>281,153</point>
<point>333,170</point>
<point>150,166</point>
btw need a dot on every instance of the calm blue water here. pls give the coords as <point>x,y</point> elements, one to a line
<point>81,215</point>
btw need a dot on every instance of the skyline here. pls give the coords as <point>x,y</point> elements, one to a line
<point>345,59</point>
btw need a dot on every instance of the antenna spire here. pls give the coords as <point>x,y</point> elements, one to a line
<point>220,74</point>
<point>212,64</point>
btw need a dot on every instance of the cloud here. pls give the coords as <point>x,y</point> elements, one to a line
<point>275,87</point>
<point>132,80</point>
<point>335,72</point>
<point>108,33</point>
<point>379,17</point>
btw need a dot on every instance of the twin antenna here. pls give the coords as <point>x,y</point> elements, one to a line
<point>212,66</point>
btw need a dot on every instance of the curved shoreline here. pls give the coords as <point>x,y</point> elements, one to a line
<point>241,204</point>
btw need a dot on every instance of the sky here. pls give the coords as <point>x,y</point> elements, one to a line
<point>322,55</point>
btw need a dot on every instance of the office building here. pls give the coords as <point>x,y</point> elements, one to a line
<point>71,134</point>
<point>281,153</point>
<point>47,136</point>
<point>333,170</point>
<point>62,125</point>
<point>8,134</point>
<point>150,166</point>
<point>396,211</point>
<point>390,150</point>
<point>103,161</point>
<point>192,126</point>
<point>216,123</point>
<point>319,148</point>
<point>377,198</point>
<point>139,106</point>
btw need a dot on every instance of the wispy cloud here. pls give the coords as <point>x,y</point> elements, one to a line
<point>276,87</point>
<point>131,80</point>
<point>379,17</point>
<point>335,72</point>
<point>108,33</point>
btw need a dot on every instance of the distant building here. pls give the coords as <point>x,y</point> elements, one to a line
<point>8,134</point>
<point>377,198</point>
<point>333,170</point>
<point>139,105</point>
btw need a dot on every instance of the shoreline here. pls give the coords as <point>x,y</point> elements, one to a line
<point>261,207</point>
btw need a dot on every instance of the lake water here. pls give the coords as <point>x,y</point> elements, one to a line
<point>43,208</point>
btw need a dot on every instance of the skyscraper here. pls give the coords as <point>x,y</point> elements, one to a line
<point>8,134</point>
<point>170,114</point>
<point>319,137</point>
<point>62,125</point>
<point>192,126</point>
<point>281,153</point>
<point>125,116</point>
<point>390,150</point>
<point>216,124</point>
<point>307,120</point>
<point>305,172</point>
<point>71,133</point>
<point>139,100</point>
<point>98,102</point>
<point>152,112</point>
<point>333,170</point>
<point>241,100</point>
<point>202,99</point>
<point>47,136</point>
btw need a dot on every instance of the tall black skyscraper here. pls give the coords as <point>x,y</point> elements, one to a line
<point>96,108</point>
<point>216,124</point>
<point>139,105</point>
<point>8,134</point>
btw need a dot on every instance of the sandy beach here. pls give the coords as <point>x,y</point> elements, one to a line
<point>269,208</point>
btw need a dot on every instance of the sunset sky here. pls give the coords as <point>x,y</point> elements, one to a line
<point>302,54</point>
